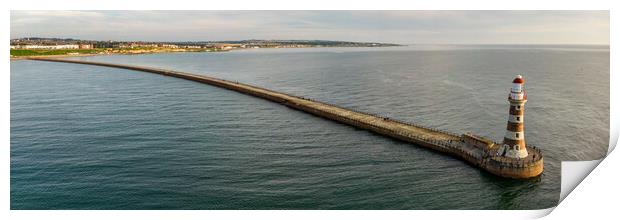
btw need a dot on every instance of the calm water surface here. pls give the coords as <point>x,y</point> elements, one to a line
<point>86,137</point>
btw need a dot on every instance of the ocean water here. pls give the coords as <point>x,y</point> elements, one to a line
<point>87,137</point>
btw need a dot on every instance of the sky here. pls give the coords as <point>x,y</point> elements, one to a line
<point>405,27</point>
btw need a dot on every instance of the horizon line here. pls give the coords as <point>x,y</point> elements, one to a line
<point>408,44</point>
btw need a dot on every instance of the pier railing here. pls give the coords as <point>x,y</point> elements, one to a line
<point>446,146</point>
<point>535,156</point>
<point>383,117</point>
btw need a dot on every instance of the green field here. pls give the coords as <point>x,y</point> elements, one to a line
<point>21,52</point>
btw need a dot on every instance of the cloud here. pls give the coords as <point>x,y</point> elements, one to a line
<point>561,27</point>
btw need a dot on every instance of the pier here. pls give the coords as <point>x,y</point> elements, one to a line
<point>476,150</point>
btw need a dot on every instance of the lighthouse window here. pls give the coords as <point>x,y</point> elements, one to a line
<point>517,134</point>
<point>518,118</point>
<point>517,147</point>
<point>518,107</point>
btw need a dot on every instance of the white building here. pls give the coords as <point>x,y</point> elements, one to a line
<point>168,46</point>
<point>48,47</point>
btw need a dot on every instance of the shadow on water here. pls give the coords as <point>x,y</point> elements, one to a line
<point>510,191</point>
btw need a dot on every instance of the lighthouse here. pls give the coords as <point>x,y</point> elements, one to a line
<point>514,139</point>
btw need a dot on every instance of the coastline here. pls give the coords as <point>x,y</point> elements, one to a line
<point>140,52</point>
<point>100,54</point>
<point>55,56</point>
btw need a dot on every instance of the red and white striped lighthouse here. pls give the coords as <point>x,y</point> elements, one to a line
<point>514,140</point>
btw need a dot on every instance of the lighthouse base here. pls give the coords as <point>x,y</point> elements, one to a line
<point>517,153</point>
<point>516,172</point>
<point>531,165</point>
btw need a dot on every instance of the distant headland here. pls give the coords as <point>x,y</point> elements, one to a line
<point>46,47</point>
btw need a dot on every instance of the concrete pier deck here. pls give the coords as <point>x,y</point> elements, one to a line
<point>442,141</point>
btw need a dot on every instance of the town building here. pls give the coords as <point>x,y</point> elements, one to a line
<point>85,46</point>
<point>48,47</point>
<point>168,45</point>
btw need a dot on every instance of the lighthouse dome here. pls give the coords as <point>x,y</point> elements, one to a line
<point>519,80</point>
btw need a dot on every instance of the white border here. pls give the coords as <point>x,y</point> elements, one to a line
<point>312,5</point>
<point>606,170</point>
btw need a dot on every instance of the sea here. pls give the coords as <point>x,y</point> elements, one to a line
<point>89,137</point>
